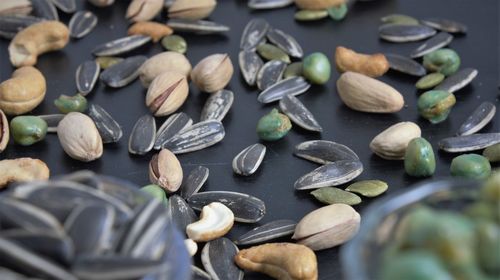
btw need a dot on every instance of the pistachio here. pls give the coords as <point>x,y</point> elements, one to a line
<point>79,137</point>
<point>374,65</point>
<point>36,39</point>
<point>27,130</point>
<point>167,93</point>
<point>445,61</point>
<point>492,153</point>
<point>419,158</point>
<point>435,105</point>
<point>156,192</point>
<point>318,4</point>
<point>392,142</point>
<point>4,131</point>
<point>338,12</point>
<point>107,61</point>
<point>143,10</point>
<point>470,166</point>
<point>213,73</point>
<point>165,170</point>
<point>316,68</point>
<point>152,29</point>
<point>161,63</point>
<point>280,261</point>
<point>310,15</point>
<point>23,92</point>
<point>365,94</point>
<point>215,221</point>
<point>273,126</point>
<point>193,10</point>
<point>22,170</point>
<point>327,227</point>
<point>174,43</point>
<point>331,195</point>
<point>271,52</point>
<point>15,7</point>
<point>429,81</point>
<point>66,104</point>
<point>368,188</point>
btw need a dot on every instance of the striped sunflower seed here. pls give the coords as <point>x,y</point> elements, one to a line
<point>124,72</point>
<point>458,80</point>
<point>254,33</point>
<point>248,161</point>
<point>268,4</point>
<point>174,124</point>
<point>298,113</point>
<point>194,181</point>
<point>441,40</point>
<point>250,64</point>
<point>108,128</point>
<point>285,42</point>
<point>11,24</point>
<point>398,33</point>
<point>405,65</point>
<point>197,137</point>
<point>267,232</point>
<point>82,23</point>
<point>217,105</point>
<point>292,86</point>
<point>331,174</point>
<point>217,258</point>
<point>180,212</point>
<point>121,45</point>
<point>67,6</point>
<point>447,25</point>
<point>469,143</point>
<point>324,152</point>
<point>86,76</point>
<point>270,73</point>
<point>198,27</point>
<point>44,9</point>
<point>481,116</point>
<point>143,135</point>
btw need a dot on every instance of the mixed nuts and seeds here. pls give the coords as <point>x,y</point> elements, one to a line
<point>269,59</point>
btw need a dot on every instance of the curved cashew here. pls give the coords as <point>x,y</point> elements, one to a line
<point>374,65</point>
<point>36,39</point>
<point>280,261</point>
<point>191,246</point>
<point>23,92</point>
<point>215,221</point>
<point>22,170</point>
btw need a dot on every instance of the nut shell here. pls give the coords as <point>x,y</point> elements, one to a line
<point>143,10</point>
<point>165,170</point>
<point>167,93</point>
<point>213,73</point>
<point>161,63</point>
<point>392,142</point>
<point>23,92</point>
<point>317,4</point>
<point>374,65</point>
<point>79,137</point>
<point>193,10</point>
<point>22,170</point>
<point>4,131</point>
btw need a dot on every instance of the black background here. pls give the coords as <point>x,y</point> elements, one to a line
<point>273,182</point>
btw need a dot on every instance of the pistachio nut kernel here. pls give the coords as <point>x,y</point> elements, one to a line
<point>470,166</point>
<point>4,131</point>
<point>165,171</point>
<point>273,126</point>
<point>419,158</point>
<point>67,104</point>
<point>316,68</point>
<point>167,93</point>
<point>444,61</point>
<point>213,73</point>
<point>27,130</point>
<point>23,92</point>
<point>435,105</point>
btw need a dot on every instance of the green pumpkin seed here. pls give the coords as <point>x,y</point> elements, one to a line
<point>490,192</point>
<point>488,245</point>
<point>156,192</point>
<point>174,43</point>
<point>399,19</point>
<point>271,52</point>
<point>368,188</point>
<point>419,158</point>
<point>107,61</point>
<point>331,195</point>
<point>470,166</point>
<point>27,130</point>
<point>337,12</point>
<point>67,104</point>
<point>273,126</point>
<point>310,15</point>
<point>482,211</point>
<point>414,264</point>
<point>316,68</point>
<point>435,105</point>
<point>492,153</point>
<point>293,70</point>
<point>430,81</point>
<point>445,61</point>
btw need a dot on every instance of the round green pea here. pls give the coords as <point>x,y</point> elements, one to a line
<point>273,126</point>
<point>435,105</point>
<point>445,61</point>
<point>429,81</point>
<point>27,130</point>
<point>156,191</point>
<point>419,158</point>
<point>67,104</point>
<point>470,166</point>
<point>316,68</point>
<point>338,12</point>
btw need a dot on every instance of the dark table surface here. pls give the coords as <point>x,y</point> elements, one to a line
<point>273,182</point>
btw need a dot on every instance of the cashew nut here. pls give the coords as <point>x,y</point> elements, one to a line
<point>22,170</point>
<point>374,65</point>
<point>23,92</point>
<point>280,260</point>
<point>191,246</point>
<point>37,39</point>
<point>215,221</point>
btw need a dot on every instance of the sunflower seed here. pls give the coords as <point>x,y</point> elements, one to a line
<point>368,188</point>
<point>52,121</point>
<point>217,258</point>
<point>217,105</point>
<point>331,174</point>
<point>267,232</point>
<point>270,73</point>
<point>108,128</point>
<point>11,24</point>
<point>107,61</point>
<point>124,72</point>
<point>398,33</point>
<point>82,23</point>
<point>298,113</point>
<point>114,267</point>
<point>324,152</point>
<point>249,160</point>
<point>199,274</point>
<point>469,143</point>
<point>331,195</point>
<point>152,242</point>
<point>44,9</point>
<point>445,25</point>
<point>441,40</point>
<point>478,119</point>
<point>180,212</point>
<point>86,76</point>
<point>458,80</point>
<point>143,135</point>
<point>199,136</point>
<point>194,181</point>
<point>250,64</point>
<point>121,45</point>
<point>197,27</point>
<point>405,65</point>
<point>173,124</point>
<point>268,4</point>
<point>292,86</point>
<point>253,34</point>
<point>67,6</point>
<point>285,42</point>
<point>246,208</point>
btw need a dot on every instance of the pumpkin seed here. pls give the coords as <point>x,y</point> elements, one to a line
<point>468,143</point>
<point>271,52</point>
<point>52,121</point>
<point>217,259</point>
<point>180,212</point>
<point>44,9</point>
<point>121,45</point>
<point>250,64</point>
<point>268,4</point>
<point>310,15</point>
<point>298,113</point>
<point>285,42</point>
<point>441,40</point>
<point>492,153</point>
<point>86,76</point>
<point>174,43</point>
<point>405,65</point>
<point>430,80</point>
<point>217,105</point>
<point>107,61</point>
<point>470,166</point>
<point>253,34</point>
<point>194,181</point>
<point>198,27</point>
<point>331,174</point>
<point>143,135</point>
<point>399,19</point>
<point>267,232</point>
<point>197,137</point>
<point>270,73</point>
<point>331,195</point>
<point>249,160</point>
<point>293,70</point>
<point>174,124</point>
<point>11,24</point>
<point>82,23</point>
<point>398,33</point>
<point>445,25</point>
<point>324,152</point>
<point>368,188</point>
<point>481,116</point>
<point>67,6</point>
<point>108,128</point>
<point>292,86</point>
<point>338,12</point>
<point>124,72</point>
<point>458,80</point>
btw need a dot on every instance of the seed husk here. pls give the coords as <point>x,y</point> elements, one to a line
<point>331,195</point>
<point>273,126</point>
<point>292,86</point>
<point>253,34</point>
<point>4,131</point>
<point>293,70</point>
<point>405,65</point>
<point>298,113</point>
<point>217,105</point>
<point>285,42</point>
<point>248,161</point>
<point>86,76</point>
<point>27,130</point>
<point>67,6</point>
<point>445,61</point>
<point>271,52</point>
<point>270,73</point>
<point>174,43</point>
<point>121,45</point>
<point>391,143</point>
<point>250,64</point>
<point>198,27</point>
<point>165,170</point>
<point>115,267</point>
<point>324,152</point>
<point>419,158</point>
<point>398,33</point>
<point>338,12</point>
<point>197,137</point>
<point>481,116</point>
<point>441,40</point>
<point>458,80</point>
<point>194,181</point>
<point>67,104</point>
<point>267,232</point>
<point>435,105</point>
<point>167,93</point>
<point>124,72</point>
<point>445,25</point>
<point>172,125</point>
<point>246,208</point>
<point>368,188</point>
<point>310,15</point>
<point>492,153</point>
<point>107,61</point>
<point>430,80</point>
<point>44,9</point>
<point>181,213</point>
<point>11,24</point>
<point>331,174</point>
<point>217,259</point>
<point>52,121</point>
<point>268,4</point>
<point>81,24</point>
<point>469,143</point>
<point>142,136</point>
<point>470,166</point>
<point>399,19</point>
<point>108,128</point>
